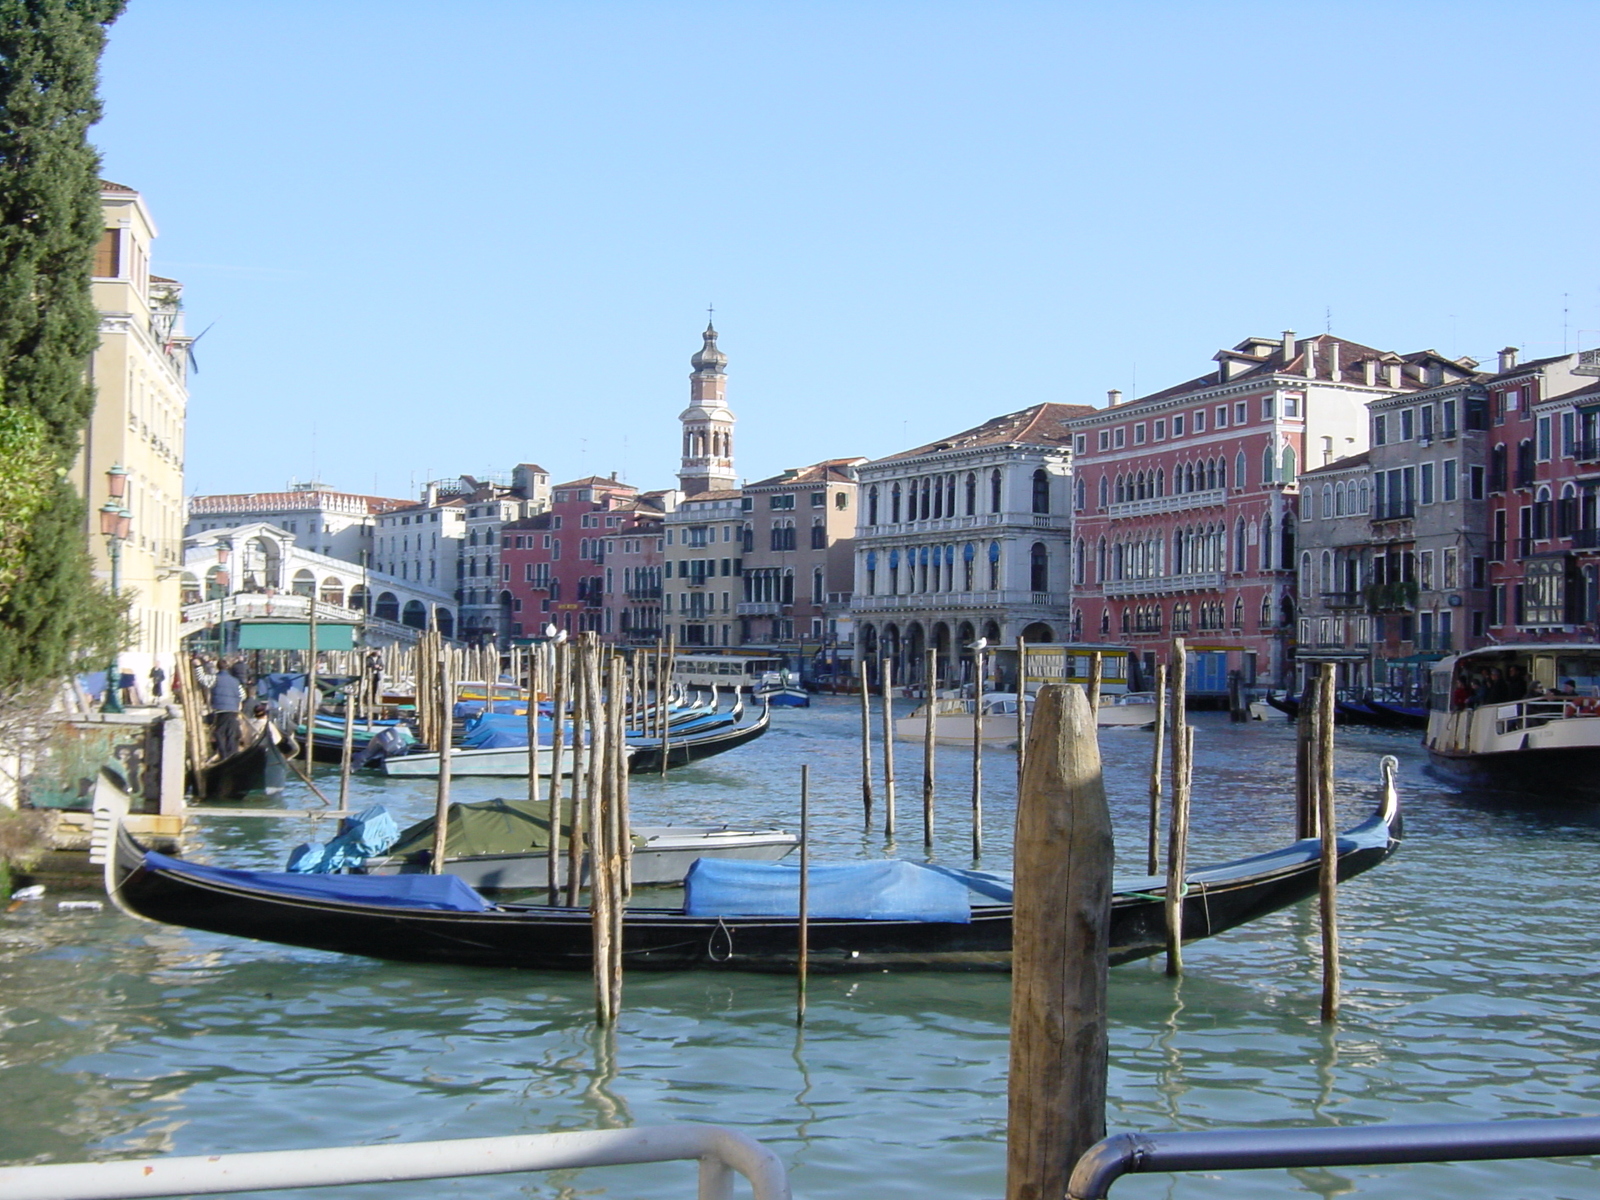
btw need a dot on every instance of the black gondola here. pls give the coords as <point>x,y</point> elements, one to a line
<point>444,921</point>
<point>1289,706</point>
<point>258,767</point>
<point>691,747</point>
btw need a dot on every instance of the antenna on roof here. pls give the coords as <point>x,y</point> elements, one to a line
<point>1327,319</point>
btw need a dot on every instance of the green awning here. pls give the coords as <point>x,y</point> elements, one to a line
<point>294,635</point>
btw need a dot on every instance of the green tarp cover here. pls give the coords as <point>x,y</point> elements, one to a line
<point>486,827</point>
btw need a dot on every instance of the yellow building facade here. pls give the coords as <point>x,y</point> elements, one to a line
<point>140,375</point>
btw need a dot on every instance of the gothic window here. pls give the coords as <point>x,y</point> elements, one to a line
<point>1105,490</point>
<point>1238,613</point>
<point>872,505</point>
<point>1041,493</point>
<point>994,490</point>
<point>894,505</point>
<point>1238,545</point>
<point>994,562</point>
<point>1039,568</point>
<point>1238,470</point>
<point>972,493</point>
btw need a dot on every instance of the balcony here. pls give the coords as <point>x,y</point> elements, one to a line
<point>1586,539</point>
<point>1166,585</point>
<point>1343,599</point>
<point>1497,550</point>
<point>762,608</point>
<point>1587,450</point>
<point>1431,642</point>
<point>1161,504</point>
<point>644,593</point>
<point>943,524</point>
<point>923,601</point>
<point>1497,479</point>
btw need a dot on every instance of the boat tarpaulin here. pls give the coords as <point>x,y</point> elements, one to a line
<point>365,835</point>
<point>891,890</point>
<point>484,827</point>
<point>446,893</point>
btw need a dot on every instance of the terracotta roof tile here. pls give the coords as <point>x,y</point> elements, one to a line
<point>1040,425</point>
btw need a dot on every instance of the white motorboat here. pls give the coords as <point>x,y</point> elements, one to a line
<point>1126,710</point>
<point>1522,717</point>
<point>504,760</point>
<point>955,721</point>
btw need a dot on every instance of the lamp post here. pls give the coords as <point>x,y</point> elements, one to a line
<point>115,522</point>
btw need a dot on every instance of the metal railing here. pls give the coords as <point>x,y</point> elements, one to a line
<point>1337,1146</point>
<point>720,1152</point>
<point>1179,502</point>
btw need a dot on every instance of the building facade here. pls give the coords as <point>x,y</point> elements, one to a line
<point>798,538</point>
<point>968,537</point>
<point>1187,499</point>
<point>633,569</point>
<point>702,567</point>
<point>553,563</point>
<point>140,375</point>
<point>323,521</point>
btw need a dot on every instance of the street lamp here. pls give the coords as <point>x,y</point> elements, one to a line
<point>115,522</point>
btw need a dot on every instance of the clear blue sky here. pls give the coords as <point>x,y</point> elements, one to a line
<point>437,238</point>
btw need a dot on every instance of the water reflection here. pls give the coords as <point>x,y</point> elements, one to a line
<point>1469,993</point>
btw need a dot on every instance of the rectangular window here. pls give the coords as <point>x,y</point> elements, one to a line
<point>1569,441</point>
<point>1080,443</point>
<point>781,501</point>
<point>1222,417</point>
<point>1425,495</point>
<point>1450,579</point>
<point>819,499</point>
<point>1177,426</point>
<point>1475,483</point>
<point>108,255</point>
<point>1408,424</point>
<point>1479,570</point>
<point>1138,434</point>
<point>1119,437</point>
<point>1447,480</point>
<point>1200,421</point>
<point>1105,439</point>
<point>1425,570</point>
<point>1380,430</point>
<point>1266,408</point>
<point>1426,429</point>
<point>1543,435</point>
<point>1449,419</point>
<point>1291,406</point>
<point>1240,413</point>
<point>1161,430</point>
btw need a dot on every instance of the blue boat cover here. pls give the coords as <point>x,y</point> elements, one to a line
<point>889,890</point>
<point>442,893</point>
<point>365,835</point>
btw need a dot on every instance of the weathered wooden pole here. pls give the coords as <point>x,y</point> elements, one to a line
<point>977,754</point>
<point>619,774</point>
<point>555,655</point>
<point>1328,880</point>
<point>347,751</point>
<point>311,677</point>
<point>1097,671</point>
<point>445,699</point>
<point>1178,831</point>
<point>601,892</point>
<point>1237,712</point>
<point>580,751</point>
<point>929,713</point>
<point>1060,943</point>
<point>1153,863</point>
<point>1022,708</point>
<point>866,744</point>
<point>804,962</point>
<point>1305,751</point>
<point>666,725</point>
<point>888,751</point>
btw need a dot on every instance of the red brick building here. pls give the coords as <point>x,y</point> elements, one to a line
<point>553,564</point>
<point>1187,500</point>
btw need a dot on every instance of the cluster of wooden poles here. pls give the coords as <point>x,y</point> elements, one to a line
<point>1059,1056</point>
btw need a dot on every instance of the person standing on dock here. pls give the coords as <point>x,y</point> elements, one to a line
<point>227,697</point>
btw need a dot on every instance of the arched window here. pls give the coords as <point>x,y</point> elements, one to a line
<point>1041,491</point>
<point>972,493</point>
<point>1269,466</point>
<point>1366,496</point>
<point>1222,473</point>
<point>1305,573</point>
<point>1081,493</point>
<point>969,555</point>
<point>872,505</point>
<point>1188,477</point>
<point>994,561</point>
<point>1289,464</point>
<point>1266,542</point>
<point>1238,544</point>
<point>1238,613</point>
<point>927,496</point>
<point>1239,470</point>
<point>1327,501</point>
<point>1161,481</point>
<point>1121,490</point>
<point>1338,500</point>
<point>1080,555</point>
<point>894,505</point>
<point>1325,579</point>
<point>1266,613</point>
<point>1038,568</point>
<point>994,490</point>
<point>1105,491</point>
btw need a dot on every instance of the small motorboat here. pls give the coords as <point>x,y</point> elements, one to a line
<point>1126,710</point>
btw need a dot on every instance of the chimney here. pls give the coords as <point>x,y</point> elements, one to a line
<point>1113,398</point>
<point>1393,371</point>
<point>1333,363</point>
<point>1508,359</point>
<point>1369,372</point>
<point>1311,358</point>
<point>1288,346</point>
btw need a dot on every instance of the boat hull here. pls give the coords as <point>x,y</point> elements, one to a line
<point>555,938</point>
<point>510,762</point>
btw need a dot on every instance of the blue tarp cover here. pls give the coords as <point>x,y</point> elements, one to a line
<point>891,890</point>
<point>365,835</point>
<point>445,893</point>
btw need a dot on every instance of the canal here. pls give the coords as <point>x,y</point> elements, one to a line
<point>1470,994</point>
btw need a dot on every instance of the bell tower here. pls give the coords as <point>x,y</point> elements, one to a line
<point>707,423</point>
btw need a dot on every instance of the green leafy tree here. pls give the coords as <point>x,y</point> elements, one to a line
<point>52,614</point>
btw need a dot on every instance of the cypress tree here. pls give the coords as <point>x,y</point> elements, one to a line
<point>52,614</point>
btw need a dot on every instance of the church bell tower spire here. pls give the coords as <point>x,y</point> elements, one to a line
<point>707,423</point>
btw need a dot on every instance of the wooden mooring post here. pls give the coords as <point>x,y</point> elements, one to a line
<point>1060,948</point>
<point>1153,856</point>
<point>444,702</point>
<point>930,717</point>
<point>1328,878</point>
<point>1178,830</point>
<point>977,751</point>
<point>888,751</point>
<point>803,965</point>
<point>866,744</point>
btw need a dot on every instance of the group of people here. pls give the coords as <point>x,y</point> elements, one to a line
<point>228,683</point>
<point>1494,685</point>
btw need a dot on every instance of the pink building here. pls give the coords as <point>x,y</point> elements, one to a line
<point>553,564</point>
<point>1186,500</point>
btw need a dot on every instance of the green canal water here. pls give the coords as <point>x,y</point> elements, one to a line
<point>1471,993</point>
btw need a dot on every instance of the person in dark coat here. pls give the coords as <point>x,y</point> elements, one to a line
<point>157,678</point>
<point>227,698</point>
